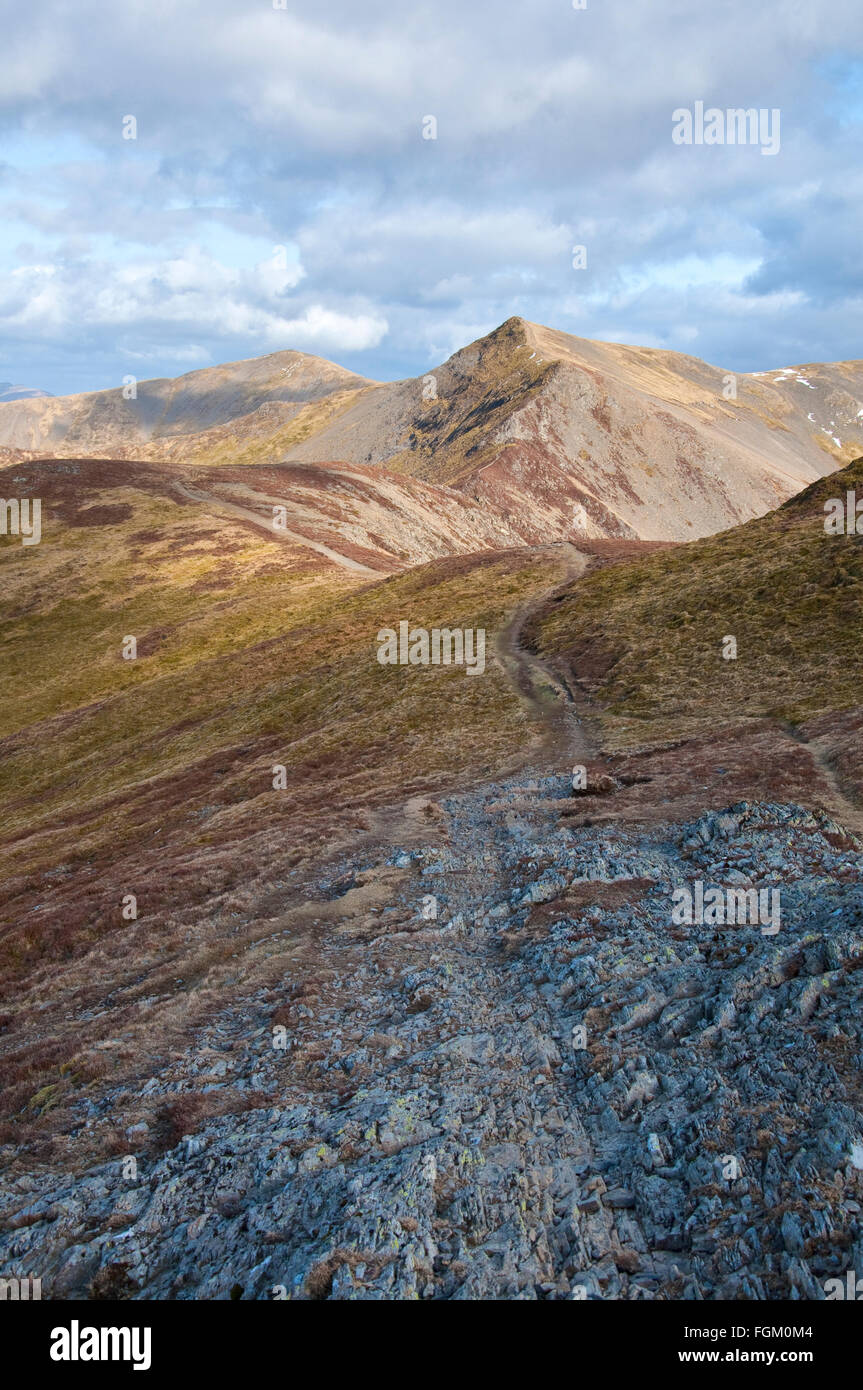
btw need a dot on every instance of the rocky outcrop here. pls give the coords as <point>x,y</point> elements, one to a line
<point>523,1079</point>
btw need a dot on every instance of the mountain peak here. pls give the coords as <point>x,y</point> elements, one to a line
<point>558,434</point>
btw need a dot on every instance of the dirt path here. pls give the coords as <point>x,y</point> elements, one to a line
<point>195,494</point>
<point>847,812</point>
<point>542,690</point>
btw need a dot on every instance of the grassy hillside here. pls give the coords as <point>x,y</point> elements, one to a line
<point>645,638</point>
<point>251,652</point>
<point>154,777</point>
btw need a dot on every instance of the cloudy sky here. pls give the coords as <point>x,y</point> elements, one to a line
<point>280,192</point>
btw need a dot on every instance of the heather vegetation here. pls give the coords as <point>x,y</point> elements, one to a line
<point>645,638</point>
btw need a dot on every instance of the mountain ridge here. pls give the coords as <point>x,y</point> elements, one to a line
<point>555,435</point>
<point>207,396</point>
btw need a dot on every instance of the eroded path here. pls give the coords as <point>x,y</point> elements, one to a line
<point>839,801</point>
<point>544,692</point>
<point>194,494</point>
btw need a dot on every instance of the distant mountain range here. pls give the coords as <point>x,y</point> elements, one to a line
<point>554,436</point>
<point>8,392</point>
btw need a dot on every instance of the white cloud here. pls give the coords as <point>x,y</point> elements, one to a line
<point>192,293</point>
<point>321,328</point>
<point>302,127</point>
